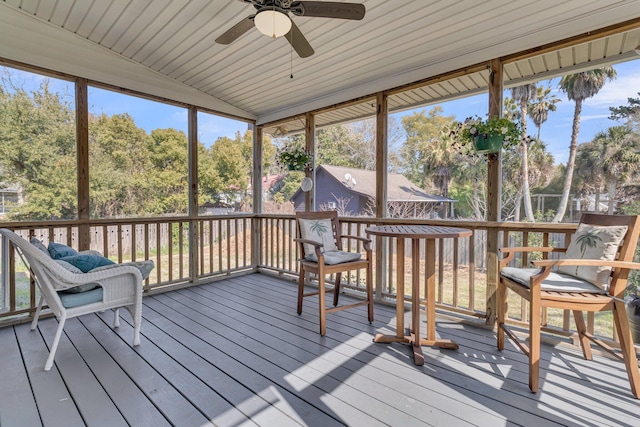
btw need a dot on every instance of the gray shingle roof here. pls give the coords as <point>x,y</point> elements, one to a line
<point>399,188</point>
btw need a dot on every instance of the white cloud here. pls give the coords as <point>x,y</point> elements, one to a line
<point>616,92</point>
<point>584,118</point>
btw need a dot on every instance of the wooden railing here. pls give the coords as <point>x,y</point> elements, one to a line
<point>231,244</point>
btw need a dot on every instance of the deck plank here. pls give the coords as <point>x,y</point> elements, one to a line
<point>55,403</point>
<point>235,353</point>
<point>177,410</point>
<point>131,401</point>
<point>268,374</point>
<point>582,405</point>
<point>12,371</point>
<point>287,356</point>
<point>193,375</point>
<point>433,391</point>
<point>92,401</point>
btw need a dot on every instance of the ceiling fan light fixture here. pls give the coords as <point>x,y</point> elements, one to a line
<point>272,23</point>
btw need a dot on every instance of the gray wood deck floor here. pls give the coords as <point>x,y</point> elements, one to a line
<point>235,353</point>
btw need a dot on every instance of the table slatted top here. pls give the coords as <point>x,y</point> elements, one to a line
<point>418,231</point>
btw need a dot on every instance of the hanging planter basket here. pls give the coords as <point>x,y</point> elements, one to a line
<point>487,144</point>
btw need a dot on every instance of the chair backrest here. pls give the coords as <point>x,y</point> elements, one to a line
<point>49,275</point>
<point>626,250</point>
<point>332,216</point>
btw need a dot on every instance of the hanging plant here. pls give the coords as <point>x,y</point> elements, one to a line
<point>488,136</point>
<point>294,158</point>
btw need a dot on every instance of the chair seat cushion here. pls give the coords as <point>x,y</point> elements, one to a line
<point>554,282</point>
<point>71,299</point>
<point>335,257</point>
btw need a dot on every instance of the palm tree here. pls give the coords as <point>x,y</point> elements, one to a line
<point>579,87</point>
<point>541,105</point>
<point>522,95</point>
<point>618,158</point>
<point>589,175</point>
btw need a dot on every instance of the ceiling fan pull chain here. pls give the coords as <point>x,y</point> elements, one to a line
<point>291,56</point>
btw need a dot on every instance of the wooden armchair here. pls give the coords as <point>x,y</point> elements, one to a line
<point>592,277</point>
<point>320,244</point>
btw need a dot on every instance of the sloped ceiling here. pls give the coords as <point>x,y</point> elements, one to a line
<point>166,48</point>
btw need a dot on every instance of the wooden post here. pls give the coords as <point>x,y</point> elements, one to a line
<point>494,165</point>
<point>310,145</point>
<point>256,240</point>
<point>193,193</point>
<point>82,148</point>
<point>382,117</point>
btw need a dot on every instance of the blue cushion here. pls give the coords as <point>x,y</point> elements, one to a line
<point>58,250</point>
<point>87,262</point>
<point>38,244</point>
<point>70,300</point>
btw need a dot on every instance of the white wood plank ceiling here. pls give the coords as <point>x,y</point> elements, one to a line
<point>166,48</point>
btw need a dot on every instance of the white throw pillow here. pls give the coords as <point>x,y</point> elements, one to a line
<point>319,230</point>
<point>593,242</point>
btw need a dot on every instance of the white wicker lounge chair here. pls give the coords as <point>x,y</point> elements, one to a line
<point>119,286</point>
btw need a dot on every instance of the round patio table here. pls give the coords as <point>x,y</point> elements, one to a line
<point>417,232</point>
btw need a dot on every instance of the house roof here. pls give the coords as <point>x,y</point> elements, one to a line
<point>166,48</point>
<point>363,182</point>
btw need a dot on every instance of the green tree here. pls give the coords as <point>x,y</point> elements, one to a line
<point>427,153</point>
<point>119,167</point>
<point>619,158</point>
<point>38,151</point>
<point>232,161</point>
<point>168,171</point>
<point>522,95</point>
<point>630,114</point>
<point>539,108</point>
<point>579,87</point>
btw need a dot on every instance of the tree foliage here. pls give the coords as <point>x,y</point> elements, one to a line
<point>131,172</point>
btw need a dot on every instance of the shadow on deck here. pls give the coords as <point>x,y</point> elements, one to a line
<point>235,353</point>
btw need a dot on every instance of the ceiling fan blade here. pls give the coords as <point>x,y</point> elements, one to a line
<point>236,31</point>
<point>298,41</point>
<point>328,9</point>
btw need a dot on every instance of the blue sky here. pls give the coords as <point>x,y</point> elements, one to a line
<point>556,132</point>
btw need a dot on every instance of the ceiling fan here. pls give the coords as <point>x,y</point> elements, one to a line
<point>272,19</point>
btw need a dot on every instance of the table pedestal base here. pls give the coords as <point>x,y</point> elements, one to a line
<point>418,357</point>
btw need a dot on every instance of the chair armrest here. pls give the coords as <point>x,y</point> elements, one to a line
<point>67,279</point>
<point>360,238</point>
<point>310,242</point>
<point>366,242</point>
<point>587,262</point>
<point>511,251</point>
<point>316,245</point>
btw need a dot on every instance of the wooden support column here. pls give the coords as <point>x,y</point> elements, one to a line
<point>82,149</point>
<point>382,119</point>
<point>310,145</point>
<point>494,189</point>
<point>193,193</point>
<point>256,240</point>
